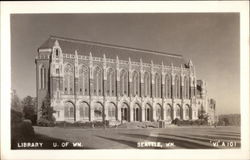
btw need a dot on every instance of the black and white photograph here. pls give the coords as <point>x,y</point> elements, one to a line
<point>164,81</point>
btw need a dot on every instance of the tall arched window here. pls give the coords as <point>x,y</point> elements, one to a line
<point>84,111</point>
<point>148,112</point>
<point>84,80</point>
<point>124,83</point>
<point>98,80</point>
<point>68,79</point>
<point>68,110</point>
<point>98,111</point>
<point>158,112</point>
<point>157,85</point>
<point>135,83</point>
<point>168,86</point>
<point>146,84</point>
<point>137,112</point>
<point>111,82</point>
<point>168,112</point>
<point>42,77</point>
<point>186,87</point>
<point>177,86</point>
<point>178,111</point>
<point>111,111</point>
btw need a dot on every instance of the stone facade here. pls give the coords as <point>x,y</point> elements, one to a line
<point>85,87</point>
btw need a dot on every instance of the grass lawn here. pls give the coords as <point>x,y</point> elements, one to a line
<point>123,138</point>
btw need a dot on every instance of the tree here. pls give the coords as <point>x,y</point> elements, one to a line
<point>15,101</point>
<point>28,104</point>
<point>47,118</point>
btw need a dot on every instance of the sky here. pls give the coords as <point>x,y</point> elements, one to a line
<point>210,40</point>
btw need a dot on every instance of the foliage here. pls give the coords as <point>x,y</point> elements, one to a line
<point>28,104</point>
<point>15,101</point>
<point>203,115</point>
<point>229,120</point>
<point>45,123</point>
<point>94,124</point>
<point>46,112</point>
<point>197,122</point>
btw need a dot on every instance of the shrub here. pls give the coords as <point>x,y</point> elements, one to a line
<point>94,124</point>
<point>16,117</point>
<point>26,128</point>
<point>45,123</point>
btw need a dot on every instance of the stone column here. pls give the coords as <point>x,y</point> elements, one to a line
<point>105,89</point>
<point>164,112</point>
<point>106,109</point>
<point>154,113</point>
<point>131,113</point>
<point>77,112</point>
<point>119,116</point>
<point>142,114</point>
<point>92,115</point>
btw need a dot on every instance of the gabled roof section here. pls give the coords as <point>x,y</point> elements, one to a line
<point>111,51</point>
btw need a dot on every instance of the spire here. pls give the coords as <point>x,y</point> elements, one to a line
<point>56,44</point>
<point>190,63</point>
<point>117,59</point>
<point>76,54</point>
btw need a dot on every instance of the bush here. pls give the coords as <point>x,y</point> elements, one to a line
<point>197,122</point>
<point>95,124</point>
<point>16,117</point>
<point>45,123</point>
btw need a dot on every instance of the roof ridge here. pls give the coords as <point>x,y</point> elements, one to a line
<point>116,46</point>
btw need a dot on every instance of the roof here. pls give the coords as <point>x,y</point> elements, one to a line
<point>97,49</point>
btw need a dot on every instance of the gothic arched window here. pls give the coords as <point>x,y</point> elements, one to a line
<point>84,80</point>
<point>68,79</point>
<point>146,84</point>
<point>177,86</point>
<point>98,80</point>
<point>42,77</point>
<point>68,110</point>
<point>135,83</point>
<point>111,111</point>
<point>84,111</point>
<point>186,88</point>
<point>124,83</point>
<point>157,85</point>
<point>168,86</point>
<point>111,82</point>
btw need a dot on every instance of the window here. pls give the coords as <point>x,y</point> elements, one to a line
<point>186,88</point>
<point>146,84</point>
<point>68,110</point>
<point>123,83</point>
<point>57,71</point>
<point>68,78</point>
<point>98,80</point>
<point>111,111</point>
<point>158,112</point>
<point>135,83</point>
<point>42,77</point>
<point>84,111</point>
<point>84,79</point>
<point>157,86</point>
<point>57,52</point>
<point>168,86</point>
<point>111,82</point>
<point>177,87</point>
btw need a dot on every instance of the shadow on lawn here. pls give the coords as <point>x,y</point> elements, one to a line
<point>126,142</point>
<point>46,140</point>
<point>178,142</point>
